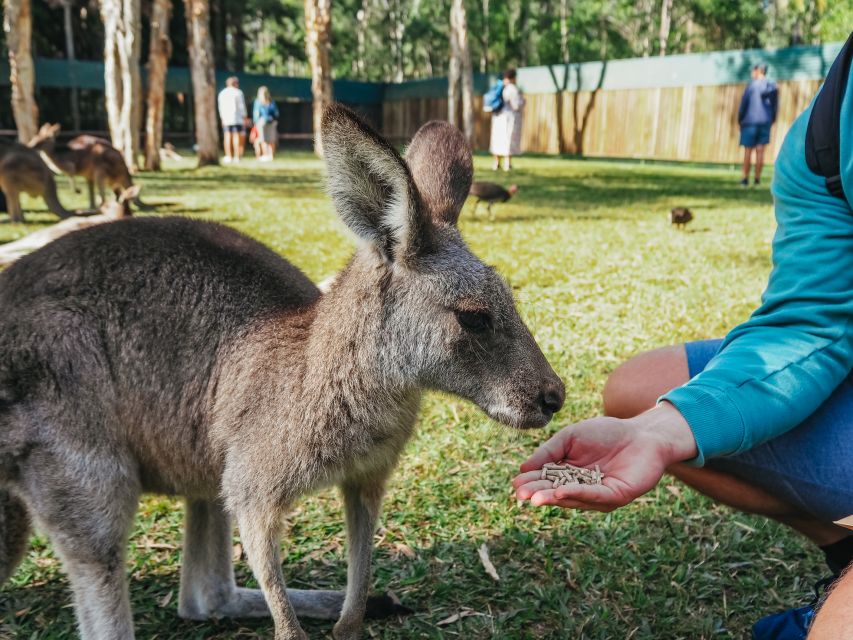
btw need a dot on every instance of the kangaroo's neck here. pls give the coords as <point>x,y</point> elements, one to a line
<point>343,349</point>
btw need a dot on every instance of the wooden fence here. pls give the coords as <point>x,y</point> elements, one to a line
<point>693,123</point>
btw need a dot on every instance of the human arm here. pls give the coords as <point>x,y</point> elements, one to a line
<point>256,111</point>
<point>779,366</point>
<point>744,101</point>
<point>772,98</point>
<point>633,455</point>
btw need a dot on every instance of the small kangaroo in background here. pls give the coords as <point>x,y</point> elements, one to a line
<point>175,356</point>
<point>94,159</point>
<point>22,170</point>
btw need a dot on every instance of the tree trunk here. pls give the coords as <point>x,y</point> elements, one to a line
<point>203,80</point>
<point>18,26</point>
<point>665,22</point>
<point>160,49</point>
<point>239,36</point>
<point>71,55</point>
<point>454,71</point>
<point>464,51</point>
<point>363,24</point>
<point>318,27</point>
<point>484,53</point>
<point>122,81</point>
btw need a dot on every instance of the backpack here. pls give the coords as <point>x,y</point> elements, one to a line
<point>823,134</point>
<point>493,101</point>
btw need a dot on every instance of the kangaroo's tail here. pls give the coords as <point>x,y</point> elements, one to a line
<point>14,531</point>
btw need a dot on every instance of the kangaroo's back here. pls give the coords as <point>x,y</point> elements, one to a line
<point>121,326</point>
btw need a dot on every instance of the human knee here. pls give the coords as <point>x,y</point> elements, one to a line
<point>635,385</point>
<point>621,390</point>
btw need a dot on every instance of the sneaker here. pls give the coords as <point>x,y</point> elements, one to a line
<point>756,183</point>
<point>792,624</point>
<point>226,160</point>
<point>744,182</point>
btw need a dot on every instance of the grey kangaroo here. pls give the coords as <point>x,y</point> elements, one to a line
<point>181,357</point>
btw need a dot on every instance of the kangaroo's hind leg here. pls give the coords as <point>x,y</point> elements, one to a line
<point>85,502</point>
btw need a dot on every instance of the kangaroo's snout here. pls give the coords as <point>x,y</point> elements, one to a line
<point>551,397</point>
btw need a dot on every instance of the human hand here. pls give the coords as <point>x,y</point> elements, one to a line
<point>632,454</point>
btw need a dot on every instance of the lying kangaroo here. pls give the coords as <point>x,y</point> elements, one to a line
<point>110,211</point>
<point>175,356</point>
<point>90,157</point>
<point>23,171</point>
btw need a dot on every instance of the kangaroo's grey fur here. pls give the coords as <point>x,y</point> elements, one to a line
<point>180,357</point>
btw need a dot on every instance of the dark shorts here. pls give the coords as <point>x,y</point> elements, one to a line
<point>811,466</point>
<point>233,128</point>
<point>752,135</point>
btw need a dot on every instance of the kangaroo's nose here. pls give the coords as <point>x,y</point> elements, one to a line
<point>551,398</point>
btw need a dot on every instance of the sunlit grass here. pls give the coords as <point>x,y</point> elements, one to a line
<point>599,275</point>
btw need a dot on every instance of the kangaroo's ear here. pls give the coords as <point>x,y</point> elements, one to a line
<point>371,186</point>
<point>439,157</point>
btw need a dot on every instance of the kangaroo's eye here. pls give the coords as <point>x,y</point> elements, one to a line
<point>474,321</point>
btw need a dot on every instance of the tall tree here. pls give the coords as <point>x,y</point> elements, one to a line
<point>200,45</point>
<point>122,81</point>
<point>318,26</point>
<point>160,48</point>
<point>665,24</point>
<point>460,72</point>
<point>18,27</point>
<point>71,56</point>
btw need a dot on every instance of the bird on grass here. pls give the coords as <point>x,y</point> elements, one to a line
<point>680,216</point>
<point>490,193</point>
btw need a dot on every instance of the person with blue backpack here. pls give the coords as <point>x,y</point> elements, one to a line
<point>506,103</point>
<point>761,421</point>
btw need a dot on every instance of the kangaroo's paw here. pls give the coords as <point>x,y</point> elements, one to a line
<point>347,629</point>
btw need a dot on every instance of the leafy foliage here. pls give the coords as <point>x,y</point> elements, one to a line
<point>407,39</point>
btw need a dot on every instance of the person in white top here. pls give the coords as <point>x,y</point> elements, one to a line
<point>506,123</point>
<point>232,113</point>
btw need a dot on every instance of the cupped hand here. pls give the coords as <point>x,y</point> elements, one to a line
<point>632,454</point>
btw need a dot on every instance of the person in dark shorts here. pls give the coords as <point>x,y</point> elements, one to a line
<point>761,421</point>
<point>756,115</point>
<point>232,112</point>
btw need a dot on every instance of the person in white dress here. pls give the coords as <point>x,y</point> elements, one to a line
<point>506,123</point>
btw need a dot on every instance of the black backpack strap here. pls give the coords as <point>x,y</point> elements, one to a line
<point>823,135</point>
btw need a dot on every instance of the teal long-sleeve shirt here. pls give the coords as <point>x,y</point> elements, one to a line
<point>778,367</point>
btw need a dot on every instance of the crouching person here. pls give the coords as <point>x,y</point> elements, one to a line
<point>761,421</point>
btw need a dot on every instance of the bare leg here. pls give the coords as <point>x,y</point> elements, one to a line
<point>497,164</point>
<point>835,616</point>
<point>759,161</point>
<point>635,387</point>
<point>226,141</point>
<point>747,162</point>
<point>363,501</point>
<point>507,163</point>
<point>260,528</point>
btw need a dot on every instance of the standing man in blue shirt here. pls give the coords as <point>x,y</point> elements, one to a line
<point>756,115</point>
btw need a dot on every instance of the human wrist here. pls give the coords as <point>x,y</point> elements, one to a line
<point>665,425</point>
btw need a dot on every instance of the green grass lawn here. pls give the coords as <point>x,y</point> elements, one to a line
<point>599,275</point>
